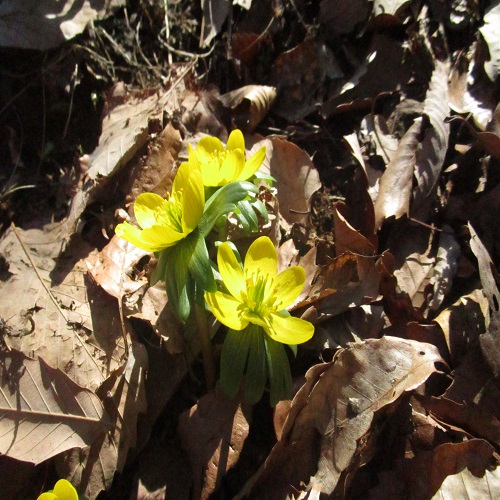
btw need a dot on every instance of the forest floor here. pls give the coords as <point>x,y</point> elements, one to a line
<point>382,131</point>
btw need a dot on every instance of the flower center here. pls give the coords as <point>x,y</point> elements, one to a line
<point>261,295</point>
<point>218,158</point>
<point>169,213</point>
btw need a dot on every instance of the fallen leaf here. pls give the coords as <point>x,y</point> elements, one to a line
<point>490,33</point>
<point>334,410</point>
<point>44,404</point>
<point>343,16</point>
<point>53,311</point>
<point>212,433</point>
<point>92,469</point>
<point>294,172</point>
<point>467,485</point>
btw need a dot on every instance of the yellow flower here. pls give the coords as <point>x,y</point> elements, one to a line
<point>221,165</point>
<point>63,490</point>
<point>258,294</point>
<point>165,222</point>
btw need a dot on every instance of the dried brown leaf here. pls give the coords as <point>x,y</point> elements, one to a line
<point>54,311</point>
<point>249,105</point>
<point>397,181</point>
<point>463,323</point>
<point>213,433</point>
<point>111,268</point>
<point>432,149</point>
<point>335,409</point>
<point>490,33</point>
<point>92,469</point>
<point>295,175</point>
<point>43,412</point>
<point>343,16</point>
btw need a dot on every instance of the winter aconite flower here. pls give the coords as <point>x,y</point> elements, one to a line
<point>221,165</point>
<point>258,294</point>
<point>63,490</point>
<point>166,221</point>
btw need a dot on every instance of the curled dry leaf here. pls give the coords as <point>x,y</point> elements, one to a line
<point>249,105</point>
<point>334,410</point>
<point>212,433</point>
<point>111,268</point>
<point>43,412</point>
<point>295,175</point>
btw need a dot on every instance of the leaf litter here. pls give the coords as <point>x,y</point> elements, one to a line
<point>381,135</point>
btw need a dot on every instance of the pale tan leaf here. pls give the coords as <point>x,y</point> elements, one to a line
<point>111,268</point>
<point>249,105</point>
<point>389,7</point>
<point>490,33</point>
<point>43,412</point>
<point>466,485</point>
<point>54,310</point>
<point>334,410</point>
<point>432,149</point>
<point>397,181</point>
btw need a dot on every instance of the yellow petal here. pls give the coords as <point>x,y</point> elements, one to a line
<point>206,147</point>
<point>231,271</point>
<point>193,196</point>
<point>47,496</point>
<point>236,141</point>
<point>145,207</point>
<point>261,259</point>
<point>288,285</point>
<point>134,236</point>
<point>289,330</point>
<point>161,237</point>
<point>64,490</point>
<point>231,167</point>
<point>253,164</point>
<point>226,309</point>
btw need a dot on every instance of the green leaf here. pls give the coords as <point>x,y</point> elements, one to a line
<point>248,213</point>
<point>200,265</point>
<point>161,267</point>
<point>258,206</point>
<point>223,201</point>
<point>178,280</point>
<point>233,360</point>
<point>256,373</point>
<point>280,377</point>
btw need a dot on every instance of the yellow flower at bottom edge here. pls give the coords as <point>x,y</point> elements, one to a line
<point>165,222</point>
<point>258,294</point>
<point>63,490</point>
<point>221,165</point>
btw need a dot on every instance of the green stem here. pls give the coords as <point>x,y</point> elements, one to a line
<point>206,346</point>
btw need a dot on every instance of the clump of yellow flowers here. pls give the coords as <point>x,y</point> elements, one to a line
<point>250,299</point>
